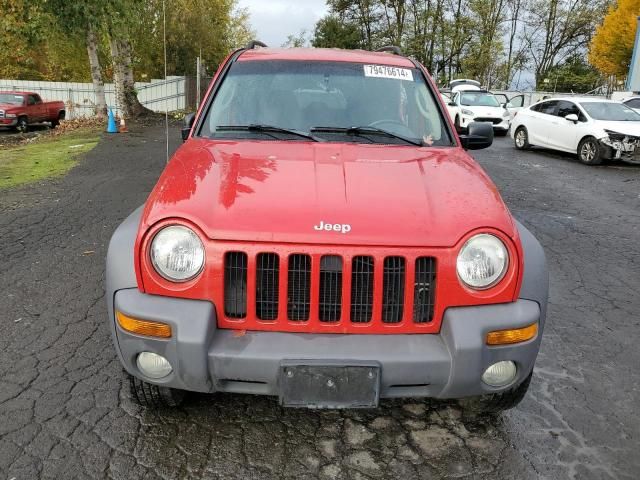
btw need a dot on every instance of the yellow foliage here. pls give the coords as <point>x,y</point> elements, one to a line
<point>612,45</point>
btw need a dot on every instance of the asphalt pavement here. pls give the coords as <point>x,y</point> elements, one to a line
<point>65,412</point>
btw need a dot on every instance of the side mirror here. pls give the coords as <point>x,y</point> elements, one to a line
<point>572,117</point>
<point>188,123</point>
<point>479,136</point>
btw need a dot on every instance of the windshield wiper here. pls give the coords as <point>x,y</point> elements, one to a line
<point>268,129</point>
<point>363,131</point>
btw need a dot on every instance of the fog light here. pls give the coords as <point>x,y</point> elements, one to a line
<point>500,374</point>
<point>153,365</point>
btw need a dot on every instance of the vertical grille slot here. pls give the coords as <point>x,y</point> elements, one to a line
<point>235,284</point>
<point>361,289</point>
<point>267,283</point>
<point>330,288</point>
<point>393,281</point>
<point>299,287</point>
<point>424,290</point>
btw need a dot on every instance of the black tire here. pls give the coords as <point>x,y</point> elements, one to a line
<point>56,122</point>
<point>495,403</point>
<point>521,139</point>
<point>155,396</point>
<point>589,151</point>
<point>457,124</point>
<point>23,125</point>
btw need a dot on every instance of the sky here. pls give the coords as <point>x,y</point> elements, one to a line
<point>275,20</point>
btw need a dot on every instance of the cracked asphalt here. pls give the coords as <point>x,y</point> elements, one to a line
<point>65,412</point>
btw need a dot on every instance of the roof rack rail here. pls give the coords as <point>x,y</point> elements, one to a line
<point>255,43</point>
<point>391,49</point>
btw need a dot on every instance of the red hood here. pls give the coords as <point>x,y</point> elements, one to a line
<point>278,191</point>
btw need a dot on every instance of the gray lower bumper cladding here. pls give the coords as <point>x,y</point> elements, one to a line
<point>207,359</point>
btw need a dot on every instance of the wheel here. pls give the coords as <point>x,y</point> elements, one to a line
<point>457,124</point>
<point>589,151</point>
<point>495,403</point>
<point>521,139</point>
<point>23,125</point>
<point>56,122</point>
<point>154,396</point>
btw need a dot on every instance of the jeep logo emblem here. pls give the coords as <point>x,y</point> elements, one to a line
<point>333,227</point>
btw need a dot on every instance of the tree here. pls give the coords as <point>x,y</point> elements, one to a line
<point>557,29</point>
<point>612,45</point>
<point>74,18</point>
<point>296,41</point>
<point>334,32</point>
<point>574,75</point>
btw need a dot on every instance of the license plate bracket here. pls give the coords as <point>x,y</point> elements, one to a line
<point>329,385</point>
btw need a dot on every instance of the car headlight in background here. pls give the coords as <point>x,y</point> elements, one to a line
<point>506,114</point>
<point>482,261</point>
<point>177,253</point>
<point>467,112</point>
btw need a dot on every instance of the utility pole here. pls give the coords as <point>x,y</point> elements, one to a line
<point>198,74</point>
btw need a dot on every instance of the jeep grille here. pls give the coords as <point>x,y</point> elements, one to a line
<point>375,288</point>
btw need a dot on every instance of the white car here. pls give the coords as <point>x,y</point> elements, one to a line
<point>595,129</point>
<point>474,105</point>
<point>633,102</point>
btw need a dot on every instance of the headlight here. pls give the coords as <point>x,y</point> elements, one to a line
<point>467,112</point>
<point>482,261</point>
<point>177,253</point>
<point>506,114</point>
<point>10,115</point>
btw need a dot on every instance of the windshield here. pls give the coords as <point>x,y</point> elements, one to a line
<point>11,99</point>
<point>610,111</point>
<point>322,98</point>
<point>478,99</point>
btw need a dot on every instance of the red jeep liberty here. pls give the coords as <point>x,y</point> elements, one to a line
<point>323,236</point>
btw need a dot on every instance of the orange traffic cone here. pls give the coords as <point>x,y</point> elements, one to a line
<point>123,126</point>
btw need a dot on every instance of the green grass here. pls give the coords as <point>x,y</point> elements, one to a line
<point>46,158</point>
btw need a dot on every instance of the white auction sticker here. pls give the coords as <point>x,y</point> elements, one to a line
<point>385,71</point>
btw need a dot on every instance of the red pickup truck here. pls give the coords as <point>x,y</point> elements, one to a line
<point>21,109</point>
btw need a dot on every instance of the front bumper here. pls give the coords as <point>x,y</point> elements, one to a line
<point>8,122</point>
<point>503,125</point>
<point>208,359</point>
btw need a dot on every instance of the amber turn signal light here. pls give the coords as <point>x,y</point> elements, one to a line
<point>143,327</point>
<point>516,335</point>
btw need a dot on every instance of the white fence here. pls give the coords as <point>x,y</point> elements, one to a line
<point>80,98</point>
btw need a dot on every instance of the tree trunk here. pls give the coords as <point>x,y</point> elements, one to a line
<point>123,78</point>
<point>96,73</point>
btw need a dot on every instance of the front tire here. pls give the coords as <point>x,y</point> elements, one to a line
<point>23,125</point>
<point>155,396</point>
<point>56,122</point>
<point>521,139</point>
<point>495,403</point>
<point>589,151</point>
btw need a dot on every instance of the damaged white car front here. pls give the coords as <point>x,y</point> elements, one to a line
<point>620,146</point>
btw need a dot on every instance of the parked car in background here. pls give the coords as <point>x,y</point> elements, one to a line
<point>633,102</point>
<point>22,109</point>
<point>323,236</point>
<point>471,104</point>
<point>595,129</point>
